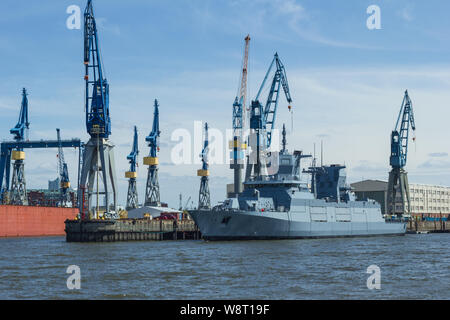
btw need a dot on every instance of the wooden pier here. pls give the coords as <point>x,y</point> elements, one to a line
<point>130,230</point>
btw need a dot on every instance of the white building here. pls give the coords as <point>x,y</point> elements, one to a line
<point>429,199</point>
<point>425,199</point>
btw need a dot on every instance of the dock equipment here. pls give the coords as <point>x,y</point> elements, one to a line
<point>132,196</point>
<point>204,200</point>
<point>398,177</point>
<point>152,197</point>
<point>262,118</point>
<point>64,180</point>
<point>238,146</point>
<point>18,193</point>
<point>98,155</point>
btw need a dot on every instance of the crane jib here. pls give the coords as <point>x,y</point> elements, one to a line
<point>270,109</point>
<point>400,135</point>
<point>98,122</point>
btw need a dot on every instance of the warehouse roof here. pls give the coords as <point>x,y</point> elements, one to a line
<point>370,185</point>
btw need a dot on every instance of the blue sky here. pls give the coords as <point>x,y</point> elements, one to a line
<point>347,82</point>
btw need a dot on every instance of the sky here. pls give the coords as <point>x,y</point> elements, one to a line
<point>347,81</point>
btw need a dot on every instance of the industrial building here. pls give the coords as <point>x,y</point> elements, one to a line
<point>51,197</point>
<point>48,198</point>
<point>425,199</point>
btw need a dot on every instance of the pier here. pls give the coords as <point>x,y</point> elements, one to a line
<point>427,226</point>
<point>130,230</point>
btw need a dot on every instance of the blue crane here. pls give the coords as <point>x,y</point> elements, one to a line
<point>398,178</point>
<point>64,180</point>
<point>134,152</point>
<point>400,135</point>
<point>19,130</point>
<point>262,118</point>
<point>152,196</point>
<point>270,109</point>
<point>204,201</point>
<point>153,137</point>
<point>18,193</point>
<point>132,196</point>
<point>98,153</point>
<point>98,121</point>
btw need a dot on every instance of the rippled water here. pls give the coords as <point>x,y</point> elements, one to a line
<point>412,267</point>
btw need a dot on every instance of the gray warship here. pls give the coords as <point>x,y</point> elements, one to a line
<point>281,206</point>
<point>274,202</point>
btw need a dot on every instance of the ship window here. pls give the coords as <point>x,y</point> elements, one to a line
<point>285,161</point>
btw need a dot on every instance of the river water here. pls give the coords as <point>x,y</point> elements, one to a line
<point>411,267</point>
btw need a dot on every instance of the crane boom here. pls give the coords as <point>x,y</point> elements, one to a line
<point>98,121</point>
<point>239,124</point>
<point>239,108</point>
<point>64,181</point>
<point>60,152</point>
<point>153,137</point>
<point>204,200</point>
<point>205,150</point>
<point>134,152</point>
<point>279,81</point>
<point>400,135</point>
<point>19,130</point>
<point>132,195</point>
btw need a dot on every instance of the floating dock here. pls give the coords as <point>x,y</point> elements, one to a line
<point>130,230</point>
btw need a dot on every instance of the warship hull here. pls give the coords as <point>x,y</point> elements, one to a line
<point>245,225</point>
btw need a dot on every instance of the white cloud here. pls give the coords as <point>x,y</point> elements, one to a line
<point>438,154</point>
<point>407,13</point>
<point>104,25</point>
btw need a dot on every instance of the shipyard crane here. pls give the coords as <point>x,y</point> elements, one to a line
<point>98,156</point>
<point>270,109</point>
<point>204,200</point>
<point>262,118</point>
<point>239,123</point>
<point>15,192</point>
<point>132,196</point>
<point>18,193</point>
<point>398,178</point>
<point>64,181</point>
<point>152,196</point>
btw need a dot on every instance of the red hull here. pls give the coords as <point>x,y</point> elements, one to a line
<point>23,221</point>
